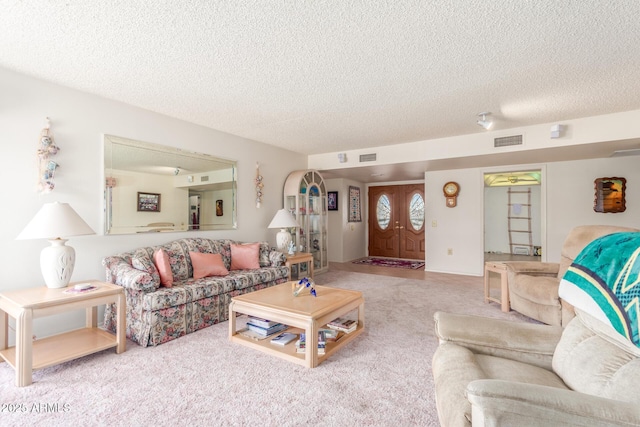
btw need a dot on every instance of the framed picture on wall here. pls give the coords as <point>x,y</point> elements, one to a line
<point>354,204</point>
<point>148,202</point>
<point>219,210</point>
<point>332,200</point>
<point>610,195</point>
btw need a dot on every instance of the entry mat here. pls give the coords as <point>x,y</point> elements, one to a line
<point>391,262</point>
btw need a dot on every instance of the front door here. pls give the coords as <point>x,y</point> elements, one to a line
<point>396,221</point>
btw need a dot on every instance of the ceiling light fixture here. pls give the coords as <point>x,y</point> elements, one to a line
<point>484,122</point>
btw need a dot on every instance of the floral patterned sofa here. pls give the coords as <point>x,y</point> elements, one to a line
<point>157,314</point>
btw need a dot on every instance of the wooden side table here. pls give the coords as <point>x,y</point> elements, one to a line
<point>299,258</point>
<point>501,269</point>
<point>24,305</point>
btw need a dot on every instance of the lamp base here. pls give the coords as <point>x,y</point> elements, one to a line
<point>283,238</point>
<point>57,262</point>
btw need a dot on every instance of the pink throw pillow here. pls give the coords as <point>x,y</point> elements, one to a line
<point>205,265</point>
<point>161,260</point>
<point>245,257</point>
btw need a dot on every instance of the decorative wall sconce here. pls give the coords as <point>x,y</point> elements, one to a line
<point>46,166</point>
<point>259,186</point>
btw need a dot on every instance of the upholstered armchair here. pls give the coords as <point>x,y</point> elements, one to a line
<point>533,285</point>
<point>492,372</point>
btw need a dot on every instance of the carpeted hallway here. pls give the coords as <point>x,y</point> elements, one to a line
<point>381,379</point>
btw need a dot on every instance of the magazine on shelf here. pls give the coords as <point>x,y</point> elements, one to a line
<point>343,324</point>
<point>332,335</point>
<point>284,338</point>
<point>263,323</point>
<point>267,331</point>
<point>301,343</point>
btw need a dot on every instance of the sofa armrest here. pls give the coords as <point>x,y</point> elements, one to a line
<point>277,258</point>
<point>533,268</point>
<point>496,402</point>
<point>524,342</point>
<point>120,272</point>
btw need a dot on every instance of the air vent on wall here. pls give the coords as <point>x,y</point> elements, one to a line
<point>204,178</point>
<point>507,140</point>
<point>368,157</point>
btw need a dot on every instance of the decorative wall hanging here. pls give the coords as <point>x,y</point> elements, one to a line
<point>332,200</point>
<point>354,204</point>
<point>451,190</point>
<point>259,186</point>
<point>219,210</point>
<point>609,195</point>
<point>46,166</point>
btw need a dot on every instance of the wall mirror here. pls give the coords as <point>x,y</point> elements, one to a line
<point>193,188</point>
<point>609,195</point>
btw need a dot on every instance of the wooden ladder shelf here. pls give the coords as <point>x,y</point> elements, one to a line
<point>521,220</point>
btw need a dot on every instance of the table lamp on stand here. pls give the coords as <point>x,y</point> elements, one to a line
<point>53,222</point>
<point>283,220</point>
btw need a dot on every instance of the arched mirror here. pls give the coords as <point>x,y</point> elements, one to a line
<point>156,188</point>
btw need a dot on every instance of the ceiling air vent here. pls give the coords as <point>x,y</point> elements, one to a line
<point>505,141</point>
<point>368,157</point>
<point>204,178</point>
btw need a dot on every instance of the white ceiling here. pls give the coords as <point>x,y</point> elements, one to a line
<point>324,76</point>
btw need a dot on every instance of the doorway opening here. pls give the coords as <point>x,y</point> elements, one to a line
<point>396,221</point>
<point>512,216</point>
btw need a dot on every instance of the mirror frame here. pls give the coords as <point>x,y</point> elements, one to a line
<point>168,172</point>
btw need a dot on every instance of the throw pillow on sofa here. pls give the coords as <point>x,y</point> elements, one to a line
<point>245,256</point>
<point>205,265</point>
<point>161,260</point>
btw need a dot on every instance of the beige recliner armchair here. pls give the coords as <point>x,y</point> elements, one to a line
<point>533,285</point>
<point>491,372</point>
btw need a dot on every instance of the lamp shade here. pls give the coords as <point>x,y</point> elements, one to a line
<point>283,219</point>
<point>54,221</point>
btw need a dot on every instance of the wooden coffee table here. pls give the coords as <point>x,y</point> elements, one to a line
<point>304,313</point>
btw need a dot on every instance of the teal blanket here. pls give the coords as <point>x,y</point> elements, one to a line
<point>604,281</point>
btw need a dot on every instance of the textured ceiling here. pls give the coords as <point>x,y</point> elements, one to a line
<point>324,76</point>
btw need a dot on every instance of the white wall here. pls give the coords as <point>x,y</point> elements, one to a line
<point>78,123</point>
<point>496,223</point>
<point>460,228</point>
<point>569,196</point>
<point>347,240</point>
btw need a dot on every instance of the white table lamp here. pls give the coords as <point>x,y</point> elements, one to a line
<point>283,220</point>
<point>53,222</point>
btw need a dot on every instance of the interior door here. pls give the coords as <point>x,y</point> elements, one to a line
<point>396,221</point>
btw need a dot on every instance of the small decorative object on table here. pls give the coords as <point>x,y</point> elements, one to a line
<point>302,285</point>
<point>292,248</point>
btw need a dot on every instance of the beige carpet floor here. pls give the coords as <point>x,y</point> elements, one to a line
<point>381,379</point>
